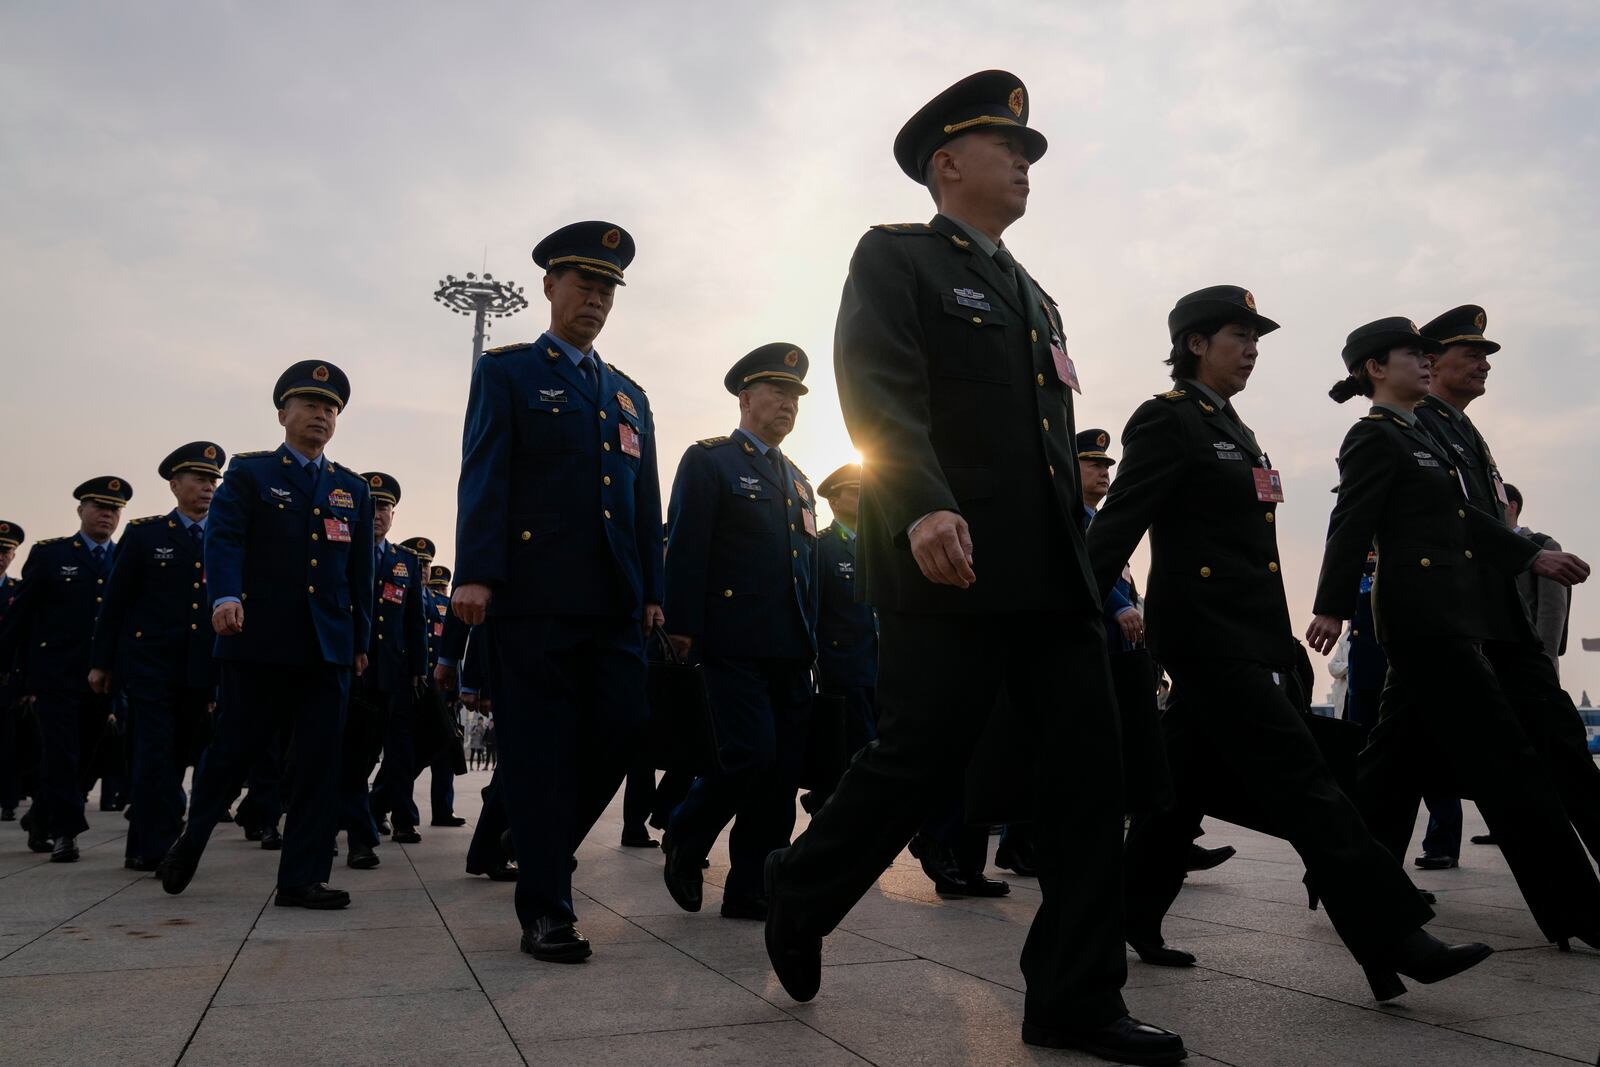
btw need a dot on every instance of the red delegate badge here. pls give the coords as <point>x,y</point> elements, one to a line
<point>809,518</point>
<point>337,529</point>
<point>1064,368</point>
<point>629,438</point>
<point>393,594</point>
<point>1269,485</point>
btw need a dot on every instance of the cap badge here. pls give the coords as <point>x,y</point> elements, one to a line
<point>376,481</point>
<point>5,527</point>
<point>210,452</point>
<point>1014,102</point>
<point>1480,320</point>
<point>1249,300</point>
<point>320,374</point>
<point>1101,440</point>
<point>791,358</point>
<point>612,238</point>
<point>114,485</point>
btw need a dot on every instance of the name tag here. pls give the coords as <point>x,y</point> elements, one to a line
<point>628,437</point>
<point>1499,489</point>
<point>1427,463</point>
<point>336,530</point>
<point>438,629</point>
<point>1269,485</point>
<point>809,518</point>
<point>1065,370</point>
<point>394,594</point>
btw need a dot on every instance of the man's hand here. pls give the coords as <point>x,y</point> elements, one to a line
<point>1323,633</point>
<point>1131,620</point>
<point>444,676</point>
<point>361,664</point>
<point>470,602</point>
<point>942,547</point>
<point>1561,567</point>
<point>680,646</point>
<point>100,680</point>
<point>653,618</point>
<point>228,618</point>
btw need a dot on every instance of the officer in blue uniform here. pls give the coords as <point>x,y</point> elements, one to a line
<point>288,568</point>
<point>153,643</point>
<point>558,548</point>
<point>47,634</point>
<point>11,537</point>
<point>847,627</point>
<point>380,703</point>
<point>442,787</point>
<point>742,595</point>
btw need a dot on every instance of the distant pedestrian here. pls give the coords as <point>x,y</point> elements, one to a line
<point>475,742</point>
<point>489,745</point>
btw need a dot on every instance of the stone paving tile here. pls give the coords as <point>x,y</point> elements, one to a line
<point>751,1045</point>
<point>121,1017</point>
<point>344,963</point>
<point>1573,1032</point>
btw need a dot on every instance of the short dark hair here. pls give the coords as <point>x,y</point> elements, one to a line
<point>1514,495</point>
<point>1183,362</point>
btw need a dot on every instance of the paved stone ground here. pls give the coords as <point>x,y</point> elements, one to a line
<point>98,966</point>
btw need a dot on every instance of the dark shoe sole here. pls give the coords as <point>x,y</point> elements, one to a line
<point>272,844</point>
<point>64,857</point>
<point>801,988</point>
<point>1427,863</point>
<point>1463,962</point>
<point>574,954</point>
<point>328,905</point>
<point>362,863</point>
<point>408,839</point>
<point>1163,955</point>
<point>1214,859</point>
<point>678,894</point>
<point>1041,1037</point>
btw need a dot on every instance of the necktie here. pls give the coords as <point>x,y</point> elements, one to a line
<point>775,458</point>
<point>311,470</point>
<point>377,559</point>
<point>99,554</point>
<point>197,534</point>
<point>1007,263</point>
<point>586,365</point>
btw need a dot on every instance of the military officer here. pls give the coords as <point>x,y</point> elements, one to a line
<point>956,386</point>
<point>557,547</point>
<point>1460,376</point>
<point>742,596</point>
<point>1400,492</point>
<point>47,633</point>
<point>380,704</point>
<point>847,627</point>
<point>442,787</point>
<point>288,567</point>
<point>153,643</point>
<point>11,537</point>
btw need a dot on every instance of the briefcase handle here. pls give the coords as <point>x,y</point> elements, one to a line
<point>668,653</point>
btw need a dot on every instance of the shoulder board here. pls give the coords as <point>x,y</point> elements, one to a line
<point>905,227</point>
<point>253,455</point>
<point>798,471</point>
<point>53,540</point>
<point>713,442</point>
<point>1172,394</point>
<point>614,369</point>
<point>147,518</point>
<point>1374,416</point>
<point>500,350</point>
<point>408,549</point>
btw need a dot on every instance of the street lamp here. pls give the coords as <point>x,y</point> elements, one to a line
<point>480,297</point>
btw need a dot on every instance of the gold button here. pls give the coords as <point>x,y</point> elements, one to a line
<point>197,566</point>
<point>1205,572</point>
<point>1033,335</point>
<point>1271,517</point>
<point>606,445</point>
<point>795,552</point>
<point>197,585</point>
<point>313,537</point>
<point>526,536</point>
<point>835,644</point>
<point>1469,553</point>
<point>791,526</point>
<point>727,592</point>
<point>316,511</point>
<point>602,416</point>
<point>194,607</point>
<point>977,318</point>
<point>280,507</point>
<point>1354,632</point>
<point>789,502</point>
<point>99,600</point>
<point>1273,567</point>
<point>606,480</point>
<point>1426,562</point>
<point>380,618</point>
<point>1452,470</point>
<point>1046,423</point>
<point>1039,378</point>
<point>1461,513</point>
<point>311,589</point>
<point>192,626</point>
<point>606,513</point>
<point>138,633</point>
<point>313,563</point>
<point>380,636</point>
<point>99,581</point>
<point>41,644</point>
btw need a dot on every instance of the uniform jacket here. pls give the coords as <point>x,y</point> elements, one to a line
<point>948,385</point>
<point>46,632</point>
<point>154,628</point>
<point>1369,663</point>
<point>10,589</point>
<point>1122,596</point>
<point>847,627</point>
<point>741,553</point>
<point>1399,493</point>
<point>1215,588</point>
<point>435,615</point>
<point>1505,615</point>
<point>559,505</point>
<point>299,556</point>
<point>1549,603</point>
<point>399,647</point>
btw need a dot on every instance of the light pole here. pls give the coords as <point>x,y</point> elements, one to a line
<point>481,298</point>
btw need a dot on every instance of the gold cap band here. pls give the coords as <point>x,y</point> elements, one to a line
<point>982,120</point>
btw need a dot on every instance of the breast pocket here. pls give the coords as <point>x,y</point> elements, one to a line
<point>552,428</point>
<point>971,342</point>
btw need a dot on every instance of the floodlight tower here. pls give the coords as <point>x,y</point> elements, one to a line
<point>480,297</point>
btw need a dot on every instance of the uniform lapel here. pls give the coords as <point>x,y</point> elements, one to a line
<point>178,536</point>
<point>982,264</point>
<point>563,368</point>
<point>758,463</point>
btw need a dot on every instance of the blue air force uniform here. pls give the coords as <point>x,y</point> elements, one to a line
<point>559,513</point>
<point>46,633</point>
<point>154,636</point>
<point>741,566</point>
<point>11,760</point>
<point>847,626</point>
<point>290,538</point>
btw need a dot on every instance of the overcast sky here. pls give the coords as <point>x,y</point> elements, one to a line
<point>194,196</point>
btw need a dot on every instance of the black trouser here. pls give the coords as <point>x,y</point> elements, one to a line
<point>1445,704</point>
<point>1551,722</point>
<point>639,794</point>
<point>938,680</point>
<point>485,852</point>
<point>11,755</point>
<point>71,724</point>
<point>161,722</point>
<point>759,712</point>
<point>1237,744</point>
<point>260,702</point>
<point>363,741</point>
<point>569,712</point>
<point>946,828</point>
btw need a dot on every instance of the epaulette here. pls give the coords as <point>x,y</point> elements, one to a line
<point>618,372</point>
<point>1374,416</point>
<point>800,472</point>
<point>147,518</point>
<point>53,540</point>
<point>905,227</point>
<point>500,350</point>
<point>1172,394</point>
<point>252,455</point>
<point>407,548</point>
<point>713,442</point>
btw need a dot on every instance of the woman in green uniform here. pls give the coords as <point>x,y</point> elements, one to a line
<point>1399,492</point>
<point>1197,479</point>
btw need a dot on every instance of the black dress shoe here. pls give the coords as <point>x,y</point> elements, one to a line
<point>226,816</point>
<point>1019,861</point>
<point>745,908</point>
<point>555,942</point>
<point>1158,953</point>
<point>638,837</point>
<point>316,897</point>
<point>1485,839</point>
<point>407,835</point>
<point>796,958</point>
<point>971,885</point>
<point>1433,862</point>
<point>134,863</point>
<point>383,827</point>
<point>682,876</point>
<point>1126,1040</point>
<point>177,868</point>
<point>39,842</point>
<point>1204,859</point>
<point>271,840</point>
<point>506,872</point>
<point>254,833</point>
<point>361,857</point>
<point>1423,958</point>
<point>508,846</point>
<point>66,850</point>
<point>447,820</point>
<point>1427,897</point>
